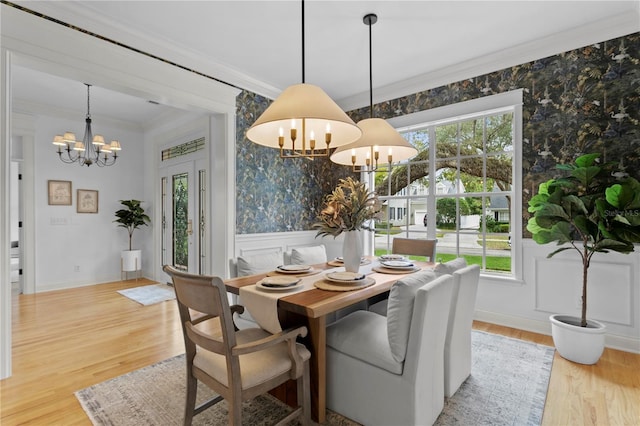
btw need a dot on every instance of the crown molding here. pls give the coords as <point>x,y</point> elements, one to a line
<point>159,46</point>
<point>594,32</point>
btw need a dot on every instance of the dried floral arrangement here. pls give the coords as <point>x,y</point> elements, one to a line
<point>350,207</point>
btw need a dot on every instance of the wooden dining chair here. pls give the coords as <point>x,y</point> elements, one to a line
<point>414,247</point>
<point>238,365</point>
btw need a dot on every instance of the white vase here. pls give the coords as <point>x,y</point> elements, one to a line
<point>583,345</point>
<point>352,251</point>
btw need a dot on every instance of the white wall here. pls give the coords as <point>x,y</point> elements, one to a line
<point>84,248</point>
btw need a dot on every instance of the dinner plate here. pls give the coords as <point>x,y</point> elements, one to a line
<point>278,283</point>
<point>340,259</point>
<point>397,264</point>
<point>293,269</point>
<point>344,277</point>
<point>387,257</point>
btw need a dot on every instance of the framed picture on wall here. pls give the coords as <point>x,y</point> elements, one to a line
<point>87,201</point>
<point>59,192</point>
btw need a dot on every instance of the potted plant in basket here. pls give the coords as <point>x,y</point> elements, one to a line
<point>131,218</point>
<point>348,209</point>
<point>592,210</point>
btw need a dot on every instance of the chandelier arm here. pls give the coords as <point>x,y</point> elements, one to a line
<point>70,159</point>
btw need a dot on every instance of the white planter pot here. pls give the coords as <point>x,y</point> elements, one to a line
<point>583,345</point>
<point>131,260</point>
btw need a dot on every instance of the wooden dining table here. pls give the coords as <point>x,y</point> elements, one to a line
<point>311,308</point>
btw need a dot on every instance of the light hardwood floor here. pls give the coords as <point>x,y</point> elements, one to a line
<point>67,340</point>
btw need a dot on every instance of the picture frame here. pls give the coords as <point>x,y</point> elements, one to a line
<point>87,201</point>
<point>59,192</point>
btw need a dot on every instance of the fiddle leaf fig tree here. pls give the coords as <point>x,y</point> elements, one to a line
<point>132,217</point>
<point>592,210</point>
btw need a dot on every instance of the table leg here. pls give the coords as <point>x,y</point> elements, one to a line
<point>318,338</point>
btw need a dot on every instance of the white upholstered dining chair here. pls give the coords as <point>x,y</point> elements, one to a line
<point>457,346</point>
<point>389,370</point>
<point>237,364</point>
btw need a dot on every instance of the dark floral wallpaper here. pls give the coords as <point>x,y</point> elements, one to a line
<point>584,100</point>
<point>273,194</point>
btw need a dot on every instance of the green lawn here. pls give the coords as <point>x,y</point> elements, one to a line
<point>494,263</point>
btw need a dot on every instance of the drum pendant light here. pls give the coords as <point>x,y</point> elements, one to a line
<point>302,113</point>
<point>378,138</point>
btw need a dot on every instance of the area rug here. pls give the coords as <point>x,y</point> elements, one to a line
<point>149,294</point>
<point>507,386</point>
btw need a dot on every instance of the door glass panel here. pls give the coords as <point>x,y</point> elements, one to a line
<point>202,202</point>
<point>181,229</point>
<point>163,186</point>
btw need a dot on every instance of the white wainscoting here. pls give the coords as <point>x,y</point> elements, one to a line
<point>554,285</point>
<point>281,242</point>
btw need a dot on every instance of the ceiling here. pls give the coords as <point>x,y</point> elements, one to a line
<point>257,44</point>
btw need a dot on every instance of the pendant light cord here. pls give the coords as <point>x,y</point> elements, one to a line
<point>369,20</point>
<point>88,103</point>
<point>303,79</point>
<point>370,75</point>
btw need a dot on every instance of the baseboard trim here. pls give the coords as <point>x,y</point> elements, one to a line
<point>612,341</point>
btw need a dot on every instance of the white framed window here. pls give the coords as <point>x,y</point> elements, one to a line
<point>471,154</point>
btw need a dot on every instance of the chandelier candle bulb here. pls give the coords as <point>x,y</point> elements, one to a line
<point>294,134</point>
<point>327,136</point>
<point>281,139</point>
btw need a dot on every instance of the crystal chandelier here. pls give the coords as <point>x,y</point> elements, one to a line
<point>91,150</point>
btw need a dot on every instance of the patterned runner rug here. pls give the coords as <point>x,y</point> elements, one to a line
<point>507,386</point>
<point>149,294</point>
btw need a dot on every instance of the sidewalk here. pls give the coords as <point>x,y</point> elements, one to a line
<point>446,243</point>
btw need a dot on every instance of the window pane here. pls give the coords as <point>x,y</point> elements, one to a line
<point>499,133</point>
<point>472,175</point>
<point>499,169</point>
